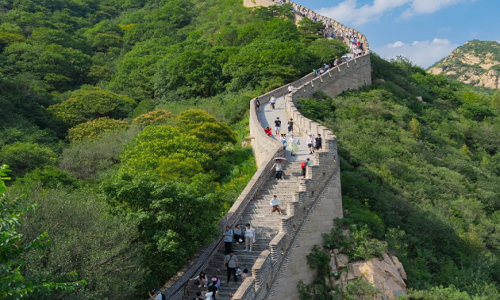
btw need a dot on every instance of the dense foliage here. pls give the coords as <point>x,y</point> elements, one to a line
<point>97,123</point>
<point>14,245</point>
<point>422,173</point>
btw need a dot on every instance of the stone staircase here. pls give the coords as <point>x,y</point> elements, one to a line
<point>266,227</point>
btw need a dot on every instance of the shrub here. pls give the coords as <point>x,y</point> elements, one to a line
<point>155,117</point>
<point>88,158</point>
<point>85,105</point>
<point>95,129</point>
<point>23,157</point>
<point>48,177</point>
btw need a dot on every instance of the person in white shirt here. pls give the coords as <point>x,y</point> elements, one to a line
<point>275,205</point>
<point>310,143</point>
<point>290,88</point>
<point>273,102</point>
<point>292,145</point>
<point>249,238</point>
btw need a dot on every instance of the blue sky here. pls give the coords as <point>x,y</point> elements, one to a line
<point>422,30</point>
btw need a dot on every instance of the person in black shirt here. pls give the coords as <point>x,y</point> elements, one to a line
<point>290,126</point>
<point>198,296</point>
<point>212,288</point>
<point>319,143</point>
<point>277,124</point>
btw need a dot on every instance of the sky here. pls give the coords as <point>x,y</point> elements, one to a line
<point>423,31</point>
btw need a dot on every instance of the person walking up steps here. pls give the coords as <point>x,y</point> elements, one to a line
<point>231,263</point>
<point>228,239</point>
<point>319,143</point>
<point>277,125</point>
<point>279,169</point>
<point>290,126</point>
<point>249,238</point>
<point>273,102</point>
<point>292,145</point>
<point>238,234</point>
<point>310,143</point>
<point>275,205</point>
<point>257,104</point>
<point>304,166</point>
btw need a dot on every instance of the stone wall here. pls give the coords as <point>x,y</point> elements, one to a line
<point>318,201</point>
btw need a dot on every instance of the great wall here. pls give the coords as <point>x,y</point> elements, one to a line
<point>278,261</point>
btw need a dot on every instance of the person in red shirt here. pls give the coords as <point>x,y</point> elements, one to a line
<point>268,131</point>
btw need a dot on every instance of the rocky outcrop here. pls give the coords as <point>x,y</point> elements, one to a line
<point>476,63</point>
<point>386,274</point>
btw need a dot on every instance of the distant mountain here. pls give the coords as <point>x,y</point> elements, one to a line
<point>476,63</point>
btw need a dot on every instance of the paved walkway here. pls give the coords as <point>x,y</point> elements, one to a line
<point>267,115</point>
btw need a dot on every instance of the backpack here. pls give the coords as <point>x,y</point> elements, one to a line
<point>303,165</point>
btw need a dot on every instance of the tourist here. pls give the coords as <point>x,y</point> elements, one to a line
<point>210,295</point>
<point>275,205</point>
<point>228,239</point>
<point>319,143</point>
<point>316,73</point>
<point>231,263</point>
<point>273,102</point>
<point>292,145</point>
<point>249,238</point>
<point>244,275</point>
<point>283,140</point>
<point>290,126</point>
<point>212,291</point>
<point>215,281</point>
<point>268,131</point>
<point>257,104</point>
<point>198,296</point>
<point>277,124</point>
<point>290,88</point>
<point>238,234</point>
<point>279,169</point>
<point>156,295</point>
<point>310,143</point>
<point>326,66</point>
<point>202,279</point>
<point>304,166</point>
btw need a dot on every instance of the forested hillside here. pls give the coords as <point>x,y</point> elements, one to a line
<point>420,166</point>
<point>122,122</point>
<point>475,63</point>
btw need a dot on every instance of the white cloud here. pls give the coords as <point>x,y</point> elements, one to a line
<point>421,53</point>
<point>396,44</point>
<point>349,12</point>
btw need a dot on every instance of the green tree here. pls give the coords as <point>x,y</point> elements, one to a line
<point>160,146</point>
<point>326,50</point>
<point>169,216</point>
<point>103,249</point>
<point>95,128</point>
<point>90,104</point>
<point>310,29</point>
<point>415,128</point>
<point>155,117</point>
<point>25,157</point>
<point>495,101</point>
<point>13,284</point>
<point>206,128</point>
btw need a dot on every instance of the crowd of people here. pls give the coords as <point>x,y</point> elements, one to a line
<point>347,36</point>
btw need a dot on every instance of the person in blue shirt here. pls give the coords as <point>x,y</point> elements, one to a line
<point>275,205</point>
<point>228,239</point>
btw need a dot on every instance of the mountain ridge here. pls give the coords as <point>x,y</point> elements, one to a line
<point>475,63</point>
